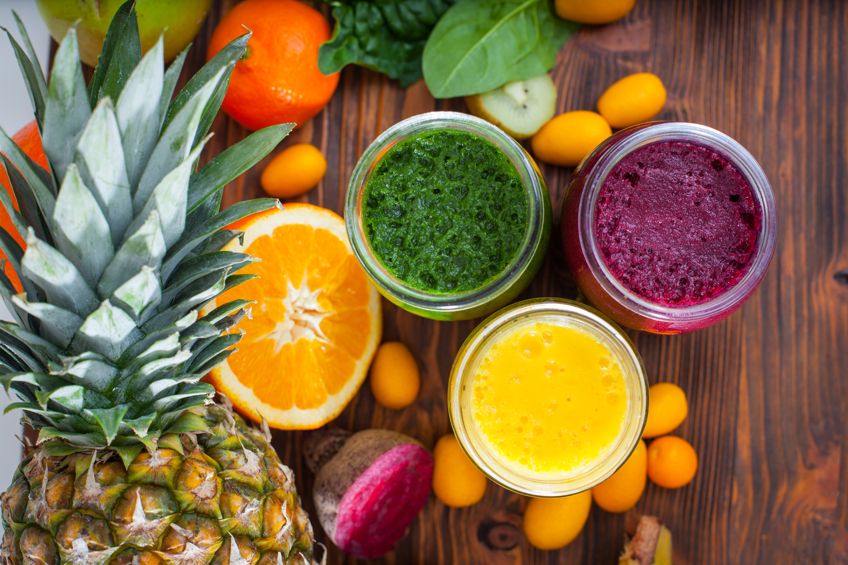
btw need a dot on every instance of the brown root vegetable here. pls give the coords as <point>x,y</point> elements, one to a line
<point>369,487</point>
<point>650,545</point>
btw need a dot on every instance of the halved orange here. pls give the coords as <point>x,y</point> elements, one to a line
<point>314,325</point>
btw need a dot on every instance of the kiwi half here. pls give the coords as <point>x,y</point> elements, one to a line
<point>519,108</point>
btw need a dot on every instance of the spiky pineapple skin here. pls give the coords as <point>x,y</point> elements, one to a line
<point>198,496</point>
<point>134,462</point>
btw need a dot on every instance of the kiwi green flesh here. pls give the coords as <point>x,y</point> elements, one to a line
<point>520,108</point>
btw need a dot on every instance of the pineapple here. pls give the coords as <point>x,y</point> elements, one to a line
<point>135,461</point>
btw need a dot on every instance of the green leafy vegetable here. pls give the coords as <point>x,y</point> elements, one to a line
<point>479,45</point>
<point>387,36</point>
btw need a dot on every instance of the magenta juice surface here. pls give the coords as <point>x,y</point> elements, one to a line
<point>668,227</point>
<point>676,223</point>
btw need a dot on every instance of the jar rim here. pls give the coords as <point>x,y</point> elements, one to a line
<point>646,134</point>
<point>578,315</point>
<point>499,284</point>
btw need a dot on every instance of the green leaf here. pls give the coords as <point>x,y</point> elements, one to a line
<point>89,440</point>
<point>176,143</point>
<point>147,373</point>
<point>480,45</point>
<point>60,280</point>
<point>138,113</point>
<point>198,331</point>
<point>12,406</point>
<point>172,441</point>
<point>91,371</point>
<point>60,449</point>
<point>18,221</point>
<point>232,162</point>
<point>31,182</point>
<point>161,325</point>
<point>225,310</point>
<point>169,198</point>
<point>172,76</point>
<point>141,425</point>
<point>204,368</point>
<point>67,109</point>
<point>203,231</point>
<point>11,249</point>
<point>203,289</point>
<point>145,247</point>
<point>128,453</point>
<point>107,331</point>
<point>213,104</point>
<point>235,280</point>
<point>212,350</point>
<point>109,420</point>
<point>23,357</point>
<point>30,69</point>
<point>165,347</point>
<point>100,157</point>
<point>30,212</point>
<point>168,317</point>
<point>7,293</point>
<point>387,36</point>
<point>188,396</point>
<point>202,265</point>
<point>139,293</point>
<point>57,324</point>
<point>42,348</point>
<point>69,397</point>
<point>120,53</point>
<point>222,63</point>
<point>218,240</point>
<point>80,230</point>
<point>187,423</point>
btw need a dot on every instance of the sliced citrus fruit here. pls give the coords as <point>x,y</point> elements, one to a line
<point>314,326</point>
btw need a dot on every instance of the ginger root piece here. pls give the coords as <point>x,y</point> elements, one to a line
<point>650,545</point>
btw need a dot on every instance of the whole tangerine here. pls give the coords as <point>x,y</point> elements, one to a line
<point>672,462</point>
<point>278,80</point>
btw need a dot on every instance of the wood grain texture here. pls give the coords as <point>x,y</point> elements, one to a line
<point>767,388</point>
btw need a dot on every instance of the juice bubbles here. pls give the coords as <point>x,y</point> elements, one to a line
<point>547,397</point>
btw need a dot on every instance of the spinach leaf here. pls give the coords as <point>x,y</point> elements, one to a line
<point>479,45</point>
<point>387,36</point>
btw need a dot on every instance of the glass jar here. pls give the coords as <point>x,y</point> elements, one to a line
<point>500,289</point>
<point>559,312</point>
<point>584,258</point>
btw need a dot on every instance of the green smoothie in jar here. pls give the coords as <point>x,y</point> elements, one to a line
<point>448,215</point>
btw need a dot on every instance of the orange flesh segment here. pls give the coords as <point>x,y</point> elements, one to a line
<point>313,326</point>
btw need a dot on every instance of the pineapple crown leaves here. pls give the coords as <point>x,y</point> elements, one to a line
<point>124,241</point>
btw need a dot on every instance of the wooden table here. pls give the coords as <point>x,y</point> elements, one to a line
<point>767,388</point>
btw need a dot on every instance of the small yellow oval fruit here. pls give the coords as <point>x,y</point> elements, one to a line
<point>632,100</point>
<point>394,376</point>
<point>672,462</point>
<point>293,171</point>
<point>569,137</point>
<point>622,490</point>
<point>593,11</point>
<point>552,523</point>
<point>456,481</point>
<point>667,408</point>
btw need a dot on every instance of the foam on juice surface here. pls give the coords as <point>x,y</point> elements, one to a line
<point>548,398</point>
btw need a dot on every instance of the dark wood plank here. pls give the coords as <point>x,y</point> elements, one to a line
<point>766,387</point>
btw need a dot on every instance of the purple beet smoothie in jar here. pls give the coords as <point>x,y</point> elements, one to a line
<point>669,227</point>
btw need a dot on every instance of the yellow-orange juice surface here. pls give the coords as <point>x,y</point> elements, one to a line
<point>548,398</point>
